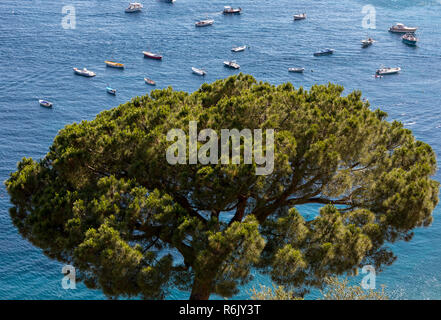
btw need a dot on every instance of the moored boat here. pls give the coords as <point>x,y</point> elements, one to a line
<point>367,42</point>
<point>199,72</point>
<point>324,52</point>
<point>401,28</point>
<point>110,90</point>
<point>151,55</point>
<point>239,49</point>
<point>297,70</point>
<point>410,39</point>
<point>387,70</point>
<point>114,64</point>
<point>230,10</point>
<point>150,81</point>
<point>134,7</point>
<point>45,103</point>
<point>204,23</point>
<point>300,16</point>
<point>84,72</point>
<point>231,64</point>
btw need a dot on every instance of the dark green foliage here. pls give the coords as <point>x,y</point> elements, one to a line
<point>105,199</point>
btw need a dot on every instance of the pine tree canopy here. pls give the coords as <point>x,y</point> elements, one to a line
<point>105,199</point>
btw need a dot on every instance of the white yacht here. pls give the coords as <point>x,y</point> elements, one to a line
<point>84,72</point>
<point>384,70</point>
<point>204,23</point>
<point>239,49</point>
<point>199,72</point>
<point>231,64</point>
<point>401,28</point>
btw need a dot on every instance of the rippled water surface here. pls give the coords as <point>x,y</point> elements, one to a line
<point>37,56</point>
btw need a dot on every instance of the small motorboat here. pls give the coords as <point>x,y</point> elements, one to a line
<point>151,55</point>
<point>401,28</point>
<point>409,39</point>
<point>301,16</point>
<point>385,71</point>
<point>297,70</point>
<point>324,52</point>
<point>84,72</point>
<point>110,90</point>
<point>231,64</point>
<point>204,23</point>
<point>134,7</point>
<point>199,72</point>
<point>114,64</point>
<point>239,49</point>
<point>367,42</point>
<point>230,10</point>
<point>150,81</point>
<point>45,103</point>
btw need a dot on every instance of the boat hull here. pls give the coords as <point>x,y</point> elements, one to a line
<point>410,42</point>
<point>115,65</point>
<point>296,70</point>
<point>327,53</point>
<point>153,56</point>
<point>406,30</point>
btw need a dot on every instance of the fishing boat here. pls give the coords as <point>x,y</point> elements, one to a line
<point>409,39</point>
<point>239,49</point>
<point>204,23</point>
<point>84,72</point>
<point>110,90</point>
<point>151,55</point>
<point>300,16</point>
<point>367,42</point>
<point>134,7</point>
<point>45,103</point>
<point>114,64</point>
<point>230,10</point>
<point>150,81</point>
<point>384,71</point>
<point>231,64</point>
<point>401,28</point>
<point>324,52</point>
<point>199,72</point>
<point>297,70</point>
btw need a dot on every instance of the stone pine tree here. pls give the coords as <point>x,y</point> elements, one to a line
<point>105,199</point>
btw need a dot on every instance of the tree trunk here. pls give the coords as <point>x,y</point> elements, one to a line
<point>201,289</point>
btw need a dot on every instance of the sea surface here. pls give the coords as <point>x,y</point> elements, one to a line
<point>37,55</point>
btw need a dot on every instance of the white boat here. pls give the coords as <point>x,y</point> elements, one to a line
<point>297,70</point>
<point>231,64</point>
<point>199,72</point>
<point>45,103</point>
<point>384,70</point>
<point>401,28</point>
<point>230,10</point>
<point>367,42</point>
<point>204,23</point>
<point>134,7</point>
<point>239,49</point>
<point>300,16</point>
<point>84,72</point>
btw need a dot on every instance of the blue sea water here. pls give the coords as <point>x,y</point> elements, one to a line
<point>37,55</point>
